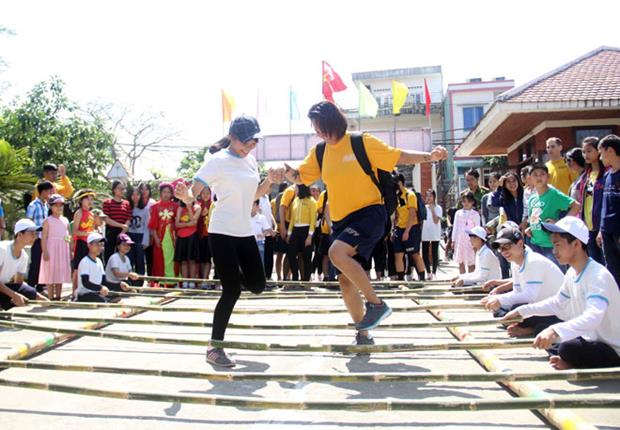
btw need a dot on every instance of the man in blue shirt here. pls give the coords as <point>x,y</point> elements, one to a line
<point>37,211</point>
<point>609,148</point>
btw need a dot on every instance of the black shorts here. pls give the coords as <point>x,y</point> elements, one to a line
<point>280,246</point>
<point>362,229</point>
<point>325,241</point>
<point>412,244</point>
<point>204,252</point>
<point>81,251</point>
<point>186,248</point>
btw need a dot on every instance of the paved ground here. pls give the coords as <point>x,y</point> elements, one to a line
<point>26,408</point>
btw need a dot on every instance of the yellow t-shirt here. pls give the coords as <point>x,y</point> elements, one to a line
<point>287,198</point>
<point>303,213</point>
<point>588,201</point>
<point>402,210</point>
<point>63,186</point>
<point>342,172</point>
<point>560,176</point>
<point>273,207</point>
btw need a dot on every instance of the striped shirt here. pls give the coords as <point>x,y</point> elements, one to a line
<point>117,211</point>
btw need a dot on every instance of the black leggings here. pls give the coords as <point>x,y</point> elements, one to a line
<point>238,264</point>
<point>430,250</point>
<point>296,245</point>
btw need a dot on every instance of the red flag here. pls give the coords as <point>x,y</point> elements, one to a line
<point>331,82</point>
<point>427,96</point>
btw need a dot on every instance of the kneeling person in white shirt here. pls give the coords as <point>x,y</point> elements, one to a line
<point>119,267</point>
<point>534,278</point>
<point>589,301</point>
<point>487,264</point>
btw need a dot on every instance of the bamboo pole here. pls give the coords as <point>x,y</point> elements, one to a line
<point>357,405</point>
<point>562,419</point>
<point>315,296</point>
<point>255,346</point>
<point>440,324</point>
<point>86,305</point>
<point>353,377</point>
<point>295,283</point>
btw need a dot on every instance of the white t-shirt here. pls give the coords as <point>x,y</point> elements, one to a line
<point>265,209</point>
<point>431,232</point>
<point>589,304</point>
<point>259,225</point>
<point>9,265</point>
<point>234,180</point>
<point>116,262</point>
<point>95,271</point>
<point>536,279</point>
<point>487,268</point>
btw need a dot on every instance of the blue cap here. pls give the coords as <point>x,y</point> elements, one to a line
<point>245,128</point>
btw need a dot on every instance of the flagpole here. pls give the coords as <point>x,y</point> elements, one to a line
<point>290,122</point>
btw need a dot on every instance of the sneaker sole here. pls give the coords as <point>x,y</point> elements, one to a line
<point>376,323</point>
<point>229,365</point>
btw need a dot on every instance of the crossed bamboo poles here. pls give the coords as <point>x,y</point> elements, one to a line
<point>563,401</point>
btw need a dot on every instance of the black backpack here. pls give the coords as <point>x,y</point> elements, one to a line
<point>385,183</point>
<point>421,207</point>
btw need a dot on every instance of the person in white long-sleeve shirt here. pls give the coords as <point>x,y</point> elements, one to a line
<point>487,264</point>
<point>589,300</point>
<point>534,278</point>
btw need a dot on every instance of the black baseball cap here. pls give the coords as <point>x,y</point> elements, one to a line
<point>507,234</point>
<point>245,128</point>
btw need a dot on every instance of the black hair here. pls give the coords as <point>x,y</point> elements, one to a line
<point>328,119</point>
<point>223,143</point>
<point>116,183</point>
<point>257,202</point>
<point>593,142</point>
<point>539,166</point>
<point>506,194</point>
<point>470,196</point>
<point>610,141</point>
<point>474,173</point>
<point>50,167</point>
<point>129,193</point>
<point>44,186</point>
<point>526,170</point>
<point>399,177</point>
<point>576,156</point>
<point>283,186</point>
<point>430,190</point>
<point>303,191</point>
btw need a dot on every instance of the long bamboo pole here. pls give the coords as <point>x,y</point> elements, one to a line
<point>419,325</point>
<point>562,419</point>
<point>358,405</point>
<point>353,377</point>
<point>86,305</point>
<point>255,346</point>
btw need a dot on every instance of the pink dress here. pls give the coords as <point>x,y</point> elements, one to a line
<point>464,219</point>
<point>57,270</point>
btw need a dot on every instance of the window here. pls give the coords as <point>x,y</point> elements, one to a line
<point>471,116</point>
<point>582,133</point>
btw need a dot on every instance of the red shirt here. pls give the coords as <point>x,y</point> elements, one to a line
<point>185,217</point>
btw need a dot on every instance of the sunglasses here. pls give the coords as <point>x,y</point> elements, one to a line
<point>505,247</point>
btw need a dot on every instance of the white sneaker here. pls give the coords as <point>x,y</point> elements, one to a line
<point>191,285</point>
<point>184,285</point>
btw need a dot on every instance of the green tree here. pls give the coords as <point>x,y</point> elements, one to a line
<point>191,163</point>
<point>52,129</point>
<point>14,180</point>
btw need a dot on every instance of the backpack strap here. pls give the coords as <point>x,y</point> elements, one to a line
<point>357,143</point>
<point>320,151</point>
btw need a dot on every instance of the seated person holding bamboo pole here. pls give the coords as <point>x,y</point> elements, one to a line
<point>589,301</point>
<point>534,278</point>
<point>92,283</point>
<point>487,263</point>
<point>14,267</point>
<point>119,267</point>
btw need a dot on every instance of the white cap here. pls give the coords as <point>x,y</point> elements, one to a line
<point>571,225</point>
<point>94,237</point>
<point>25,224</point>
<point>478,232</point>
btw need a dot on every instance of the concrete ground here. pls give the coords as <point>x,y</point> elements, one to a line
<point>27,408</point>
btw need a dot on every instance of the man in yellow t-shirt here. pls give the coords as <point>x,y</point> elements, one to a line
<point>358,215</point>
<point>560,176</point>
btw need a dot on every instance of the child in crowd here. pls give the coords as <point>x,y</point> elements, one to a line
<point>187,247</point>
<point>83,225</point>
<point>92,283</point>
<point>588,301</point>
<point>119,268</point>
<point>138,229</point>
<point>204,254</point>
<point>465,219</point>
<point>56,253</point>
<point>261,227</point>
<point>487,263</point>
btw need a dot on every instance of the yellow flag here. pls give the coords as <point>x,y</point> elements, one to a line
<point>367,103</point>
<point>399,95</point>
<point>228,106</point>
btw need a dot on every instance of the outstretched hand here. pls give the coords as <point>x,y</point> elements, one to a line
<point>276,175</point>
<point>181,191</point>
<point>439,153</point>
<point>291,174</point>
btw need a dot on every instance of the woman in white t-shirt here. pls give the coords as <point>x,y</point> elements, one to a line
<point>230,170</point>
<point>431,234</point>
